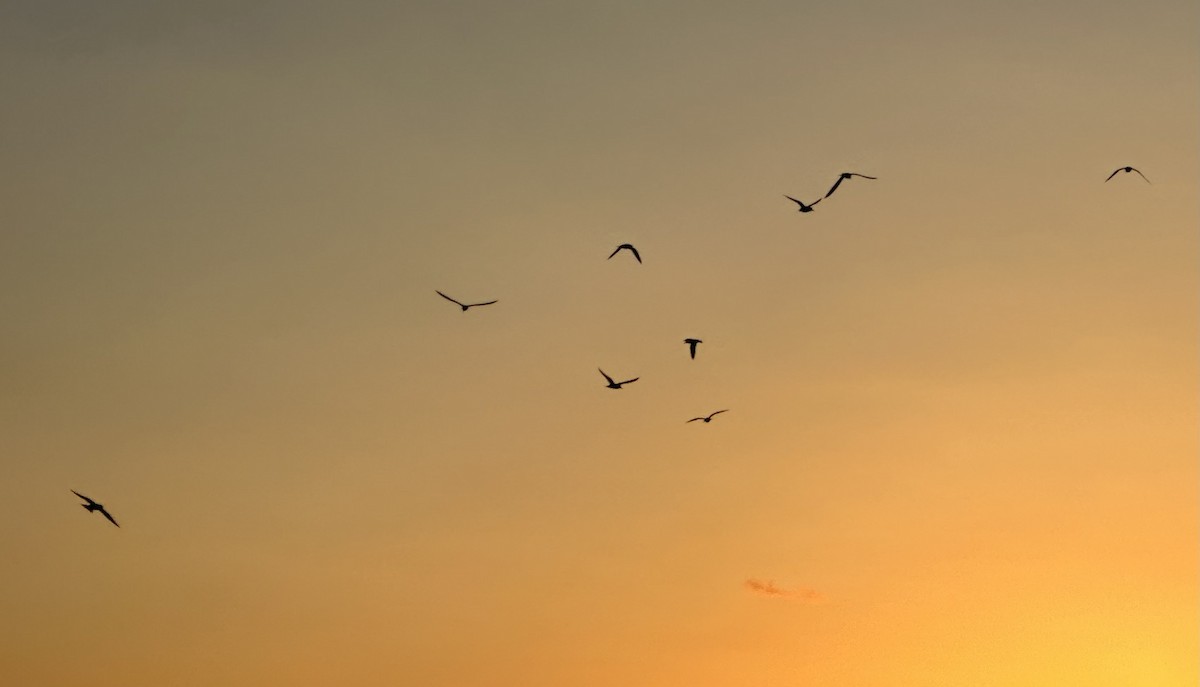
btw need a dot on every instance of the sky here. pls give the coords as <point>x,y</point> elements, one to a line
<point>961,445</point>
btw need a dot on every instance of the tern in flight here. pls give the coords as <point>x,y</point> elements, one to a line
<point>630,248</point>
<point>92,505</point>
<point>464,306</point>
<point>842,177</point>
<point>803,207</point>
<point>1126,170</point>
<point>708,419</point>
<point>692,346</point>
<point>617,385</point>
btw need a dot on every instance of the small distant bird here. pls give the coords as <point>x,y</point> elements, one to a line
<point>1126,170</point>
<point>803,207</point>
<point>692,346</point>
<point>92,505</point>
<point>629,247</point>
<point>842,177</point>
<point>617,385</point>
<point>709,418</point>
<point>464,306</point>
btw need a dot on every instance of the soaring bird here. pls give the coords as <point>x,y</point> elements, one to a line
<point>692,346</point>
<point>709,418</point>
<point>630,248</point>
<point>92,505</point>
<point>803,207</point>
<point>842,177</point>
<point>617,385</point>
<point>464,306</point>
<point>1126,170</point>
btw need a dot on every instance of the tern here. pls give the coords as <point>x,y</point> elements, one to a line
<point>842,177</point>
<point>708,419</point>
<point>629,247</point>
<point>464,306</point>
<point>617,385</point>
<point>803,207</point>
<point>692,346</point>
<point>1126,170</point>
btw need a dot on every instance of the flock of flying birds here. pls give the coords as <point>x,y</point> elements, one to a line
<point>611,383</point>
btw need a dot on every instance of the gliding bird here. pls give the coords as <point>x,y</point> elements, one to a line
<point>692,346</point>
<point>708,419</point>
<point>92,505</point>
<point>803,207</point>
<point>630,248</point>
<point>464,306</point>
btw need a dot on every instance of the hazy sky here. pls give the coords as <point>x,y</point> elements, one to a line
<point>962,441</point>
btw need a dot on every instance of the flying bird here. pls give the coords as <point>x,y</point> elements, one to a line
<point>630,248</point>
<point>708,419</point>
<point>464,306</point>
<point>692,346</point>
<point>617,385</point>
<point>842,177</point>
<point>1126,170</point>
<point>803,207</point>
<point>92,505</point>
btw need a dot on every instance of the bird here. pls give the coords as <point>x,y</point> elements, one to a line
<point>692,346</point>
<point>1126,170</point>
<point>630,248</point>
<point>464,306</point>
<point>617,385</point>
<point>842,177</point>
<point>92,505</point>
<point>708,419</point>
<point>803,207</point>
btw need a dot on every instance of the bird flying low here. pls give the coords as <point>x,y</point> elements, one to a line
<point>803,207</point>
<point>617,385</point>
<point>629,247</point>
<point>692,346</point>
<point>1126,170</point>
<point>842,177</point>
<point>92,505</point>
<point>464,306</point>
<point>709,418</point>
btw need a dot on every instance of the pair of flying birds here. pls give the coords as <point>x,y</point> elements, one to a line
<point>808,207</point>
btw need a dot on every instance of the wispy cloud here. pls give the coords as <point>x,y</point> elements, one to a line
<point>802,595</point>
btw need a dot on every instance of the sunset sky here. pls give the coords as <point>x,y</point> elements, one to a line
<point>962,444</point>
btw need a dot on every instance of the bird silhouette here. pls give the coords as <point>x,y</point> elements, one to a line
<point>464,306</point>
<point>630,248</point>
<point>803,207</point>
<point>1126,170</point>
<point>617,385</point>
<point>842,177</point>
<point>92,505</point>
<point>692,346</point>
<point>708,419</point>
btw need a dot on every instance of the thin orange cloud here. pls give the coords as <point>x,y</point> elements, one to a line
<point>769,589</point>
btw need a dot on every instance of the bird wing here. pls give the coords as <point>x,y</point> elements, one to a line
<point>82,496</point>
<point>1114,173</point>
<point>719,412</point>
<point>635,254</point>
<point>447,298</point>
<point>794,200</point>
<point>834,187</point>
<point>814,202</point>
<point>610,379</point>
<point>618,250</point>
<point>694,419</point>
<point>110,518</point>
<point>628,381</point>
<point>856,174</point>
<point>1140,173</point>
<point>487,303</point>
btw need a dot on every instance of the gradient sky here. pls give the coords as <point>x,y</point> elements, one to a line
<point>962,446</point>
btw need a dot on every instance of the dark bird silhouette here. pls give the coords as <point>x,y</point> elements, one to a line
<point>842,177</point>
<point>630,248</point>
<point>464,306</point>
<point>709,418</point>
<point>92,505</point>
<point>617,385</point>
<point>803,207</point>
<point>1126,170</point>
<point>692,346</point>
